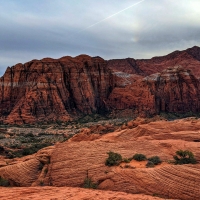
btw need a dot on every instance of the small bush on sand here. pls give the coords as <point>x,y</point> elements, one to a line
<point>184,157</point>
<point>150,164</point>
<point>4,182</point>
<point>127,160</point>
<point>139,157</point>
<point>155,160</point>
<point>88,183</point>
<point>113,159</point>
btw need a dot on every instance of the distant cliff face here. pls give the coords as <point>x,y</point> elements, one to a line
<point>175,89</point>
<point>54,89</point>
<point>65,89</point>
<point>189,59</point>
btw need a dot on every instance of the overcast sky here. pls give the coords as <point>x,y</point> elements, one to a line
<point>34,29</point>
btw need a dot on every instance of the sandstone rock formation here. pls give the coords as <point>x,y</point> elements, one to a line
<point>188,58</point>
<point>52,90</point>
<point>67,88</point>
<point>175,89</point>
<point>28,170</point>
<point>68,163</point>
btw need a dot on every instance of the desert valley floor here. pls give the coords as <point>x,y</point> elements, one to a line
<point>65,165</point>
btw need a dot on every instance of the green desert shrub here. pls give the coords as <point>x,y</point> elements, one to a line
<point>150,164</point>
<point>10,155</point>
<point>4,182</point>
<point>41,183</point>
<point>88,183</point>
<point>29,135</point>
<point>139,157</point>
<point>2,137</point>
<point>2,149</point>
<point>155,160</point>
<point>184,157</point>
<point>127,160</point>
<point>113,159</point>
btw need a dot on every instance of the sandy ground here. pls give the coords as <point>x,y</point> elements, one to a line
<point>67,193</point>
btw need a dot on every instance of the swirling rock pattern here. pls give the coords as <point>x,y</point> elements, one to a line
<point>69,163</point>
<point>72,161</point>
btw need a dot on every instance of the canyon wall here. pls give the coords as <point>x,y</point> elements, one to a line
<point>68,88</point>
<point>52,90</point>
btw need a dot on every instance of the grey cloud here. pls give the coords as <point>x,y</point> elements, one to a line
<point>152,28</point>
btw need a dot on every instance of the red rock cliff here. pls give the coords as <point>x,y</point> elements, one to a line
<point>66,88</point>
<point>175,89</point>
<point>51,89</point>
<point>189,58</point>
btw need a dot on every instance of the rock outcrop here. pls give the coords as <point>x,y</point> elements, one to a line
<point>174,90</point>
<point>67,88</point>
<point>188,58</point>
<point>69,163</point>
<point>49,90</point>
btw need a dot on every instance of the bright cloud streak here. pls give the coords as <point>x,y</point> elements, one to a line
<point>112,16</point>
<point>59,28</point>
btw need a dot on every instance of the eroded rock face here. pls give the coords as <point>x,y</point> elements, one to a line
<point>65,89</point>
<point>175,89</point>
<point>189,59</point>
<point>52,90</point>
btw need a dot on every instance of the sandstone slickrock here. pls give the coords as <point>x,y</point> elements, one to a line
<point>69,163</point>
<point>67,88</point>
<point>28,170</point>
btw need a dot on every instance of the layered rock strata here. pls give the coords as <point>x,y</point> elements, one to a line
<point>174,90</point>
<point>52,90</point>
<point>68,88</point>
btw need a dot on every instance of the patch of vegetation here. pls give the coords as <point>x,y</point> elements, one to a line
<point>155,160</point>
<point>173,116</point>
<point>29,135</point>
<point>129,166</point>
<point>184,157</point>
<point>41,183</point>
<point>139,157</point>
<point>2,149</point>
<point>26,151</point>
<point>150,164</point>
<point>91,118</point>
<point>10,155</point>
<point>88,183</point>
<point>127,160</point>
<point>14,146</point>
<point>2,137</point>
<point>33,149</point>
<point>4,182</point>
<point>113,159</point>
